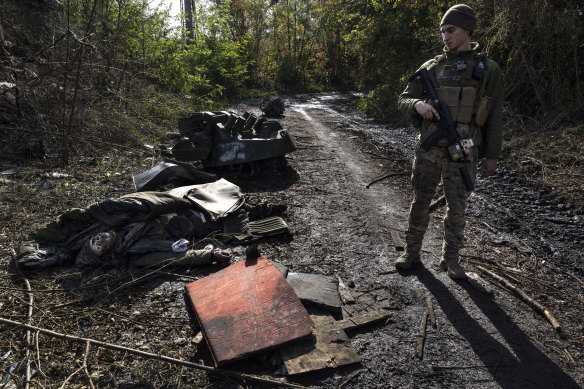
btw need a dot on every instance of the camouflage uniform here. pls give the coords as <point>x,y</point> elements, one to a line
<point>476,108</point>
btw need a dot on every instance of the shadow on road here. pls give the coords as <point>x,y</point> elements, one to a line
<point>521,366</point>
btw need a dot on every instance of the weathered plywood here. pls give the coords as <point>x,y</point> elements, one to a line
<point>317,289</point>
<point>329,348</point>
<point>247,308</point>
<point>362,320</point>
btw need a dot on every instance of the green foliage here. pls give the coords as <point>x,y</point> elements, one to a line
<point>126,51</point>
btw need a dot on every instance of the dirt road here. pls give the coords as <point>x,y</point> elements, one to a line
<point>339,228</point>
<point>342,228</point>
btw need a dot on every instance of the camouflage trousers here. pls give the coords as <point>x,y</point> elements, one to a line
<point>427,171</point>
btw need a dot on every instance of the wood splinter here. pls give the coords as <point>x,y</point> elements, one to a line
<point>523,296</point>
<point>422,336</point>
<point>431,311</point>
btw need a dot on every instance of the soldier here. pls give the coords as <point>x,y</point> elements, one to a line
<point>472,87</point>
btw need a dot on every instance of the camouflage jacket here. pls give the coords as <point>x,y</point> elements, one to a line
<point>486,96</point>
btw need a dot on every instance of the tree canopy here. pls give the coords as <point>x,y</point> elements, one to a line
<point>125,51</point>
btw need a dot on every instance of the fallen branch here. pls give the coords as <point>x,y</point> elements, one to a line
<point>349,378</point>
<point>209,369</point>
<point>422,336</point>
<point>82,367</point>
<point>384,177</point>
<point>431,311</point>
<point>441,367</point>
<point>478,283</point>
<point>534,304</point>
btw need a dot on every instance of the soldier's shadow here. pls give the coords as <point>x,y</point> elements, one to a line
<point>519,365</point>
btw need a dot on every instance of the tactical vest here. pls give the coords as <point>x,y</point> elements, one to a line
<point>463,94</point>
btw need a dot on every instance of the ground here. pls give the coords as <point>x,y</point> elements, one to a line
<point>339,227</point>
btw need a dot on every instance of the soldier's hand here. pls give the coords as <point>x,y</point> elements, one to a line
<point>426,110</point>
<point>489,167</point>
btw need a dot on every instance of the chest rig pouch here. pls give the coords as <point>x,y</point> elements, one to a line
<point>458,89</point>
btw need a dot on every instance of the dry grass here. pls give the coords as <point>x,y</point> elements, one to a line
<point>549,156</point>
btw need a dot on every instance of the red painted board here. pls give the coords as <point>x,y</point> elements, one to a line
<point>247,308</point>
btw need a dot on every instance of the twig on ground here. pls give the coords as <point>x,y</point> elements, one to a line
<point>570,358</point>
<point>441,367</point>
<point>87,344</point>
<point>422,336</point>
<point>534,304</point>
<point>209,369</point>
<point>431,311</point>
<point>349,378</point>
<point>38,354</point>
<point>489,227</point>
<point>576,278</point>
<point>377,155</point>
<point>82,367</point>
<point>384,177</point>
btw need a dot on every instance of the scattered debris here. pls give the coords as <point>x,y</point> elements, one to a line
<point>145,226</point>
<point>431,313</point>
<point>422,336</point>
<point>385,177</point>
<point>350,378</point>
<point>272,106</point>
<point>361,320</point>
<point>345,292</point>
<point>316,289</point>
<point>534,304</point>
<point>478,283</point>
<point>198,338</point>
<point>163,172</point>
<point>397,241</point>
<point>329,348</point>
<point>209,369</point>
<point>247,308</point>
<point>225,138</point>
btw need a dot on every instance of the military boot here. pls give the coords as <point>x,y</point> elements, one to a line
<point>452,267</point>
<point>449,261</point>
<point>407,260</point>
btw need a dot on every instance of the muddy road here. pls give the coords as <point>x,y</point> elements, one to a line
<point>340,227</point>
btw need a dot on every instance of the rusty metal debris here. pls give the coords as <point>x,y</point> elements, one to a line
<point>247,308</point>
<point>226,138</point>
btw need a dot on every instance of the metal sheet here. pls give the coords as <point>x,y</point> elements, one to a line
<point>247,308</point>
<point>270,145</point>
<point>157,175</point>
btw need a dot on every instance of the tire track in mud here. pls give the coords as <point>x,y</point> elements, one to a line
<point>340,227</point>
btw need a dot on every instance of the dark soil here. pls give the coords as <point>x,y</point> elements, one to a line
<point>339,227</point>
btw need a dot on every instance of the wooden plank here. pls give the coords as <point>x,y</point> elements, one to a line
<point>479,283</point>
<point>397,242</point>
<point>247,308</point>
<point>330,348</point>
<point>317,289</point>
<point>361,320</point>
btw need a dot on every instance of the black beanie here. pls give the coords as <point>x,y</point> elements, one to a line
<point>460,15</point>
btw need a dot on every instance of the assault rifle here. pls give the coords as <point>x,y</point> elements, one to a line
<point>458,149</point>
